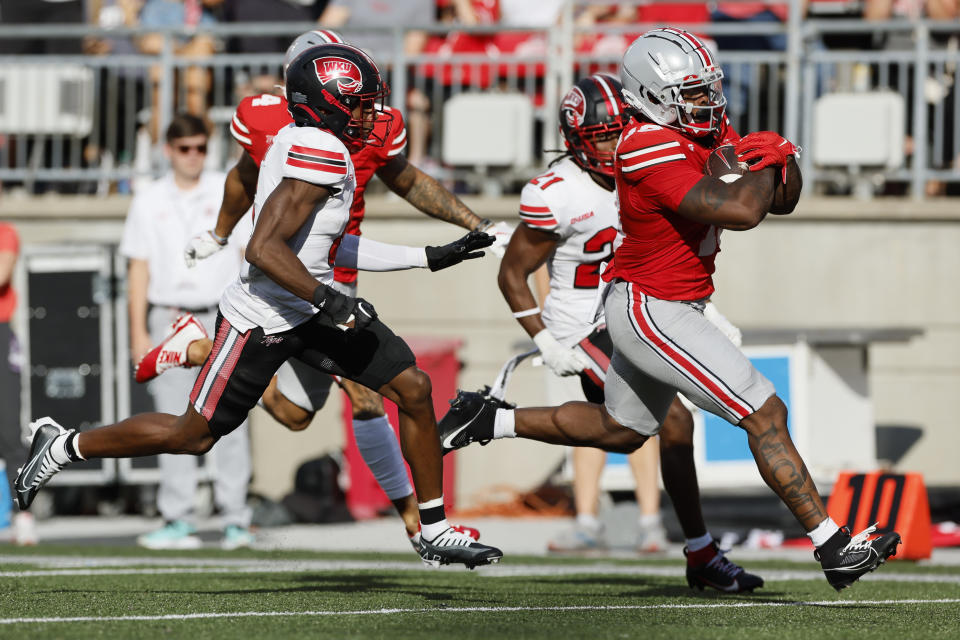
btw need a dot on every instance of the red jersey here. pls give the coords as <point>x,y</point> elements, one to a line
<point>670,257</point>
<point>258,118</point>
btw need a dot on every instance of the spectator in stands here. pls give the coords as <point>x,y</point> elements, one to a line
<point>190,15</point>
<point>41,12</point>
<point>12,448</point>
<point>368,24</point>
<point>739,78</point>
<point>162,218</point>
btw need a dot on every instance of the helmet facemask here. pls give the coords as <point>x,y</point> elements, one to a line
<point>700,119</point>
<point>583,146</point>
<point>359,132</point>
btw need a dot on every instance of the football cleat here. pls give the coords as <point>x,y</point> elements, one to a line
<point>720,574</point>
<point>844,558</point>
<point>454,547</point>
<point>469,531</point>
<point>41,465</point>
<point>470,419</point>
<point>172,352</point>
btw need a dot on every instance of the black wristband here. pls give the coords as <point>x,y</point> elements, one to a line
<point>320,296</point>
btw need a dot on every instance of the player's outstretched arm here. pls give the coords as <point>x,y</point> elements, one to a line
<point>427,195</point>
<point>364,254</point>
<point>738,205</point>
<point>239,189</point>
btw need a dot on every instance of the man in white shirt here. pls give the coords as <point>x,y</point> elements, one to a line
<point>163,215</point>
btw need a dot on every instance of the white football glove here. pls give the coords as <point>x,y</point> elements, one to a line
<point>562,360</point>
<point>501,233</point>
<point>201,247</point>
<point>711,313</point>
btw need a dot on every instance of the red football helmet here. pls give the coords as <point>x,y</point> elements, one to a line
<point>325,85</point>
<point>593,107</point>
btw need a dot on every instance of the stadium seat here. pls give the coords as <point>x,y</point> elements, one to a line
<point>488,130</point>
<point>860,132</point>
<point>46,99</point>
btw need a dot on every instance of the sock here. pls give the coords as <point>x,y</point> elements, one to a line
<point>378,446</point>
<point>588,521</point>
<point>504,425</point>
<point>62,449</point>
<point>823,532</point>
<point>73,447</point>
<point>648,520</point>
<point>433,520</point>
<point>696,544</point>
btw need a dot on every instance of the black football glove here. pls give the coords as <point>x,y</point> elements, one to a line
<point>466,248</point>
<point>338,310</point>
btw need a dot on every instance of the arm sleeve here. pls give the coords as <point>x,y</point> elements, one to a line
<point>534,210</point>
<point>357,252</point>
<point>317,157</point>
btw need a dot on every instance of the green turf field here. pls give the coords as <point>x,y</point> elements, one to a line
<point>103,592</point>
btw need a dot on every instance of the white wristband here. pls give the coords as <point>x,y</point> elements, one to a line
<point>527,312</point>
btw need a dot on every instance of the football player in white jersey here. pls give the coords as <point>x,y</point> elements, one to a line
<point>298,391</point>
<point>282,306</point>
<point>571,224</point>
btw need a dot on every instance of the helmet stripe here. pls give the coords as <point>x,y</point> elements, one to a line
<point>698,47</point>
<point>330,36</point>
<point>613,105</point>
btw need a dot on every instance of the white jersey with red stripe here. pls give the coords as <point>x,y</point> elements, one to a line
<point>318,157</point>
<point>566,201</point>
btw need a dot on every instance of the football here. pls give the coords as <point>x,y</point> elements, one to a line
<point>724,165</point>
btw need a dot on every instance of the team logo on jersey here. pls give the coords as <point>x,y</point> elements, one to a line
<point>574,107</point>
<point>340,70</point>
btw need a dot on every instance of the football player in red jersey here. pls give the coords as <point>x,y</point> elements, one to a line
<point>661,275</point>
<point>298,391</point>
<point>570,222</point>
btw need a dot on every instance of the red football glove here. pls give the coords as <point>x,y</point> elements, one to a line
<point>767,149</point>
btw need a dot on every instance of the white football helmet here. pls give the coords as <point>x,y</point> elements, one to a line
<point>309,39</point>
<point>662,64</point>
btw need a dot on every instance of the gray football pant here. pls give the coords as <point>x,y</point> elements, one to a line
<point>661,347</point>
<point>229,458</point>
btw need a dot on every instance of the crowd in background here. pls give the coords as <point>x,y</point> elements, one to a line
<point>431,30</point>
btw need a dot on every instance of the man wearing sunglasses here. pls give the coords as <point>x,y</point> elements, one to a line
<point>163,216</point>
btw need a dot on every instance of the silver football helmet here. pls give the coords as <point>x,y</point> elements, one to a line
<point>309,39</point>
<point>664,64</point>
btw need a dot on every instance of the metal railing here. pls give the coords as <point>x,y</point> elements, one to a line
<point>89,123</point>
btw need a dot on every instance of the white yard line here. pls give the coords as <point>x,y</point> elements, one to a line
<point>129,565</point>
<point>376,612</point>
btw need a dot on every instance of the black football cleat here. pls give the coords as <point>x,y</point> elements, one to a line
<point>844,558</point>
<point>721,574</point>
<point>40,466</point>
<point>455,547</point>
<point>470,419</point>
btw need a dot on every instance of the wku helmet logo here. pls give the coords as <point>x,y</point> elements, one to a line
<point>574,107</point>
<point>340,70</point>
